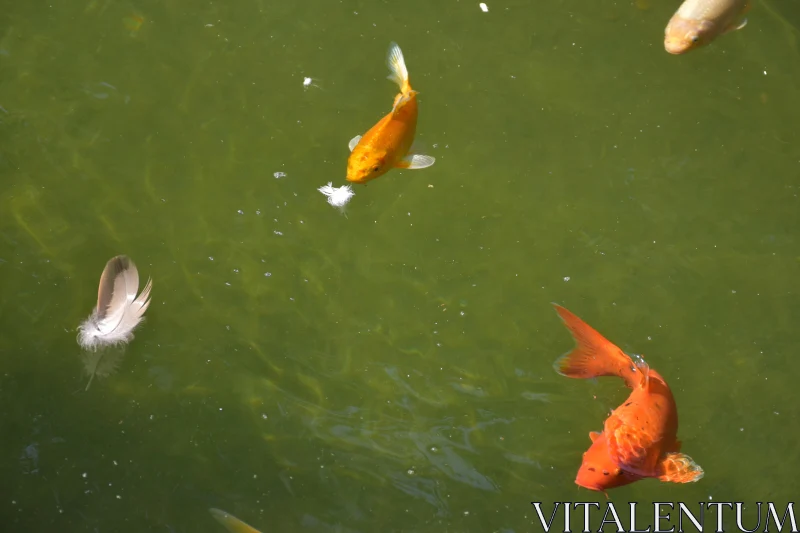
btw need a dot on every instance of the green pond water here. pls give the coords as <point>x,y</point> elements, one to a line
<point>389,369</point>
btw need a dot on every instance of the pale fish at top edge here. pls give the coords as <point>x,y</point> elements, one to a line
<point>697,23</point>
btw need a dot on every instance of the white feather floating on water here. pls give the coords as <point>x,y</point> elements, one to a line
<point>337,196</point>
<point>118,310</point>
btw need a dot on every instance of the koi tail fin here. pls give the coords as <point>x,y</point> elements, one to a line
<point>397,66</point>
<point>679,468</point>
<point>593,354</point>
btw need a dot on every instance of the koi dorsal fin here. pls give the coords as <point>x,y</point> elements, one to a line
<point>402,99</point>
<point>641,365</point>
<point>679,468</point>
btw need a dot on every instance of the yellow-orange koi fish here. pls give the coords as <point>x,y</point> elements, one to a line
<point>388,143</point>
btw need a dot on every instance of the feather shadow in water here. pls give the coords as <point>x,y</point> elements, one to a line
<point>102,363</point>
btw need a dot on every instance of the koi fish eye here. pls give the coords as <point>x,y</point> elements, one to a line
<point>376,168</point>
<point>694,38</point>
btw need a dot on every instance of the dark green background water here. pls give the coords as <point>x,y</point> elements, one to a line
<point>393,372</point>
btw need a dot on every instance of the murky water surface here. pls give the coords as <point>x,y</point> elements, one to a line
<point>391,369</point>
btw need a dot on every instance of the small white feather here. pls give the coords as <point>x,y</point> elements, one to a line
<point>118,311</point>
<point>337,196</point>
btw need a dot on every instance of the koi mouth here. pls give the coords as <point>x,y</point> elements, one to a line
<point>675,47</point>
<point>589,486</point>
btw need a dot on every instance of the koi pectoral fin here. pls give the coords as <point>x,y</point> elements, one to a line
<point>679,468</point>
<point>594,435</point>
<point>416,161</point>
<point>354,142</point>
<point>737,25</point>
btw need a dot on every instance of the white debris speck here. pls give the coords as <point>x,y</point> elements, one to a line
<point>566,278</point>
<point>279,175</point>
<point>484,7</point>
<point>310,82</point>
<point>337,197</point>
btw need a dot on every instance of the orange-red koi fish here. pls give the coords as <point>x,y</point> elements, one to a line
<point>387,144</point>
<point>639,438</point>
